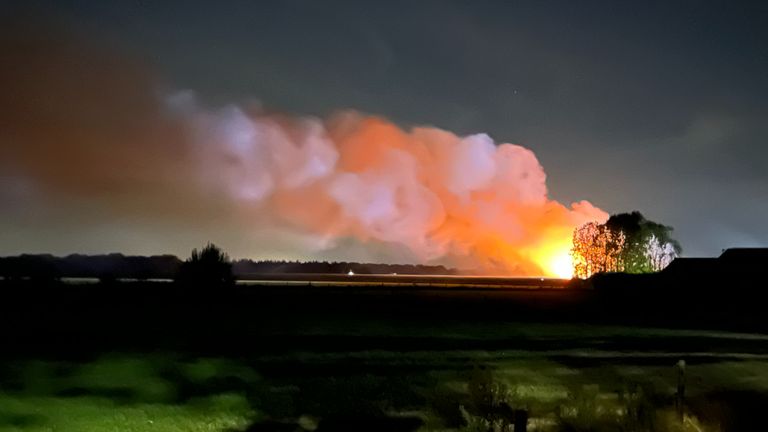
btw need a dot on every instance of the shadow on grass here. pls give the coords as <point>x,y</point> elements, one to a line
<point>21,421</point>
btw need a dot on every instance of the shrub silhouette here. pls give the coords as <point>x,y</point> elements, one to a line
<point>209,267</point>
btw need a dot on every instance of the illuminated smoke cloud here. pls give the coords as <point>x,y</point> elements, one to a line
<point>463,200</point>
<point>86,139</point>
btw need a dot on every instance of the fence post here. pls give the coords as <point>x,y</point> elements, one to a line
<point>680,396</point>
<point>521,421</point>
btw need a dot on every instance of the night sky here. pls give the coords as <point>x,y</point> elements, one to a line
<point>655,106</point>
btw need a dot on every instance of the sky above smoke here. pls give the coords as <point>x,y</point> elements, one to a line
<point>659,109</point>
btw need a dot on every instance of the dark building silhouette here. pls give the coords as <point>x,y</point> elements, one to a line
<point>736,267</point>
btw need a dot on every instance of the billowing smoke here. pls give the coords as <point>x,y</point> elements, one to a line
<point>476,202</point>
<point>83,126</point>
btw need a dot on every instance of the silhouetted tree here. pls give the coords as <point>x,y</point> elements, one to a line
<point>649,245</point>
<point>596,249</point>
<point>627,242</point>
<point>207,268</point>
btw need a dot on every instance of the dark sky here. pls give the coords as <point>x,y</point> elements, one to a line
<point>656,106</point>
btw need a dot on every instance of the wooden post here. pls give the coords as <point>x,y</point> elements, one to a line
<point>680,396</point>
<point>521,421</point>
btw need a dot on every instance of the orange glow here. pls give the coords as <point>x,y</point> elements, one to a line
<point>553,256</point>
<point>561,265</point>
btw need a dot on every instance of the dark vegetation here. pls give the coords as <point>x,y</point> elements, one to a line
<point>209,268</point>
<point>722,292</point>
<point>105,267</point>
<point>249,267</point>
<point>119,266</point>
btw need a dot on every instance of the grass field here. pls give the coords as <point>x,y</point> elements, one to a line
<point>438,377</point>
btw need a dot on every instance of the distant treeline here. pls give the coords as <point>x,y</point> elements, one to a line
<point>245,267</point>
<point>45,266</point>
<point>119,266</point>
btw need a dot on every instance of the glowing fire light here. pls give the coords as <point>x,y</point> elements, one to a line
<point>561,265</point>
<point>554,258</point>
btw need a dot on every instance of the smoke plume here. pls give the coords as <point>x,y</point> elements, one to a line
<point>82,127</point>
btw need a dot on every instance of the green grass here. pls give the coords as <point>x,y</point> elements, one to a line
<point>121,393</point>
<point>90,414</point>
<point>170,392</point>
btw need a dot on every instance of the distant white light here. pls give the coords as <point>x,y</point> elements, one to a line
<point>351,273</point>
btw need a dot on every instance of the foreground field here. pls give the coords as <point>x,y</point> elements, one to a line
<point>159,357</point>
<point>566,377</point>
